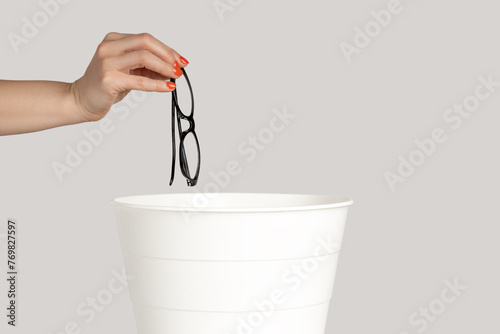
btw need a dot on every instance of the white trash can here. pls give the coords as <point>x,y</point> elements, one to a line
<point>231,263</point>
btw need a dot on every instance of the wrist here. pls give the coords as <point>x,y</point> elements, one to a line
<point>79,111</point>
<point>75,109</point>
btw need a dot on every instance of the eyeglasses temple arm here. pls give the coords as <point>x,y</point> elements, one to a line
<point>173,140</point>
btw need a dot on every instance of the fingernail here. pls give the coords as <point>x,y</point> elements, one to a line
<point>177,69</point>
<point>171,85</point>
<point>183,60</point>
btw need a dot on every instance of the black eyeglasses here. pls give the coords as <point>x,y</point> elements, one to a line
<point>189,134</point>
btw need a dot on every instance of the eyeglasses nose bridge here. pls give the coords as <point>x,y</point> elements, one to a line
<point>190,120</point>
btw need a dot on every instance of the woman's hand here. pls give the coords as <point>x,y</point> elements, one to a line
<point>121,63</point>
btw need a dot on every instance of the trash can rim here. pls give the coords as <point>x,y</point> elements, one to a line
<point>324,202</point>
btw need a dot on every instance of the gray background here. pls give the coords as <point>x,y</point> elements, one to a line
<point>352,122</point>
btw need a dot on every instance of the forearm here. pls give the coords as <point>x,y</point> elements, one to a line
<point>28,106</point>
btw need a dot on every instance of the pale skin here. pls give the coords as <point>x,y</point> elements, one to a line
<point>122,62</point>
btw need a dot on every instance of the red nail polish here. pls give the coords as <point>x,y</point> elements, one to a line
<point>177,69</point>
<point>183,60</point>
<point>171,85</point>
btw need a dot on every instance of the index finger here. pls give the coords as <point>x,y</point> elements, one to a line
<point>127,43</point>
<point>113,36</point>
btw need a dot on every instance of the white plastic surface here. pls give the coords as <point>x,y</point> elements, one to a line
<point>308,320</point>
<point>198,266</point>
<point>229,286</point>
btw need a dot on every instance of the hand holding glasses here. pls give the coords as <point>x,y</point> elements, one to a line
<point>179,116</point>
